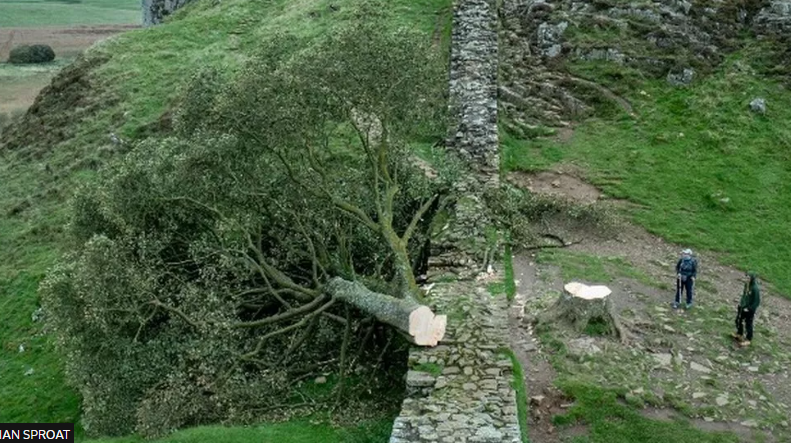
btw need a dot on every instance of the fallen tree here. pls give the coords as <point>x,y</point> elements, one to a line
<point>213,270</point>
<point>418,321</point>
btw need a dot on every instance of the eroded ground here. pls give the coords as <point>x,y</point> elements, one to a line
<point>678,363</point>
<point>19,85</point>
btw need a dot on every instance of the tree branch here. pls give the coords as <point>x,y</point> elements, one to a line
<point>282,316</point>
<point>416,218</point>
<point>289,328</point>
<point>275,274</point>
<point>176,311</point>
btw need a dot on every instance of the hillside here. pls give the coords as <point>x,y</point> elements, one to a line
<point>645,105</point>
<point>599,89</point>
<point>124,86</point>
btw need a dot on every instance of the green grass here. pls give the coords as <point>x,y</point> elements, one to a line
<point>508,263</point>
<point>432,368</point>
<point>710,173</point>
<point>521,393</point>
<point>580,266</point>
<point>609,420</point>
<point>137,85</point>
<point>34,13</point>
<point>527,155</point>
<point>289,432</point>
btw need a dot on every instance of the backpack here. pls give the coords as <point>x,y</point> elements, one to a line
<point>687,266</point>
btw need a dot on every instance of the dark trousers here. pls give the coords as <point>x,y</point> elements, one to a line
<point>682,286</point>
<point>745,319</point>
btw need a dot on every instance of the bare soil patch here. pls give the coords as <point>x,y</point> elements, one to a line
<point>18,93</point>
<point>564,135</point>
<point>746,434</point>
<point>20,85</point>
<point>65,41</point>
<point>557,184</point>
<point>545,400</point>
<point>680,359</point>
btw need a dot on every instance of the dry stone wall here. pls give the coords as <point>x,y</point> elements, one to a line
<point>461,390</point>
<point>473,83</point>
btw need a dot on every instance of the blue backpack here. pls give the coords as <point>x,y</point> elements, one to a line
<point>687,266</point>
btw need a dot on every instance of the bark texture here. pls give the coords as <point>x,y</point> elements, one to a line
<point>585,308</point>
<point>405,314</point>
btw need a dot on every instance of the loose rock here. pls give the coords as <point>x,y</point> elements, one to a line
<point>700,368</point>
<point>663,359</point>
<point>758,105</point>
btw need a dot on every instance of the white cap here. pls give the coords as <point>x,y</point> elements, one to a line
<point>687,251</point>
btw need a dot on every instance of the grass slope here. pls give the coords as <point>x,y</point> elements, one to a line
<point>289,432</point>
<point>611,421</point>
<point>135,86</point>
<point>707,171</point>
<point>35,13</point>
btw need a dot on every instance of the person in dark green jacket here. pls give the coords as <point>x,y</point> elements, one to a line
<point>751,299</point>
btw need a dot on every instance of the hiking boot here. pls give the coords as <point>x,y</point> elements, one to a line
<point>745,343</point>
<point>675,305</point>
<point>689,305</point>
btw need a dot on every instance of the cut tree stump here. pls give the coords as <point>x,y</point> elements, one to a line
<point>423,327</point>
<point>585,309</point>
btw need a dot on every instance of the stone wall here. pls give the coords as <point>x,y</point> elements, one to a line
<point>461,391</point>
<point>473,83</point>
<point>154,11</point>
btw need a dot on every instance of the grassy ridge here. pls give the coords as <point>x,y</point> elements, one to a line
<point>709,172</point>
<point>137,84</point>
<point>34,13</point>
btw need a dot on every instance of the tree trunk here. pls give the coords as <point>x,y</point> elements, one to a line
<point>405,314</point>
<point>586,309</point>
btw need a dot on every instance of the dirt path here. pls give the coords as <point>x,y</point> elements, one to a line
<point>725,388</point>
<point>545,399</point>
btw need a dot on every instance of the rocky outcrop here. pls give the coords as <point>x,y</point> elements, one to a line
<point>542,43</point>
<point>154,11</point>
<point>774,20</point>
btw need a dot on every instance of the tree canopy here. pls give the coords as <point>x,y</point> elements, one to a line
<point>278,225</point>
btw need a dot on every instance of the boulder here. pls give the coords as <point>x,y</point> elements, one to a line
<point>683,78</point>
<point>549,38</point>
<point>758,105</point>
<point>774,20</point>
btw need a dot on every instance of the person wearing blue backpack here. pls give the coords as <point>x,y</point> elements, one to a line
<point>686,272</point>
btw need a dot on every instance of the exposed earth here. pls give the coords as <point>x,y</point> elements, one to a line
<point>19,85</point>
<point>65,41</point>
<point>677,363</point>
